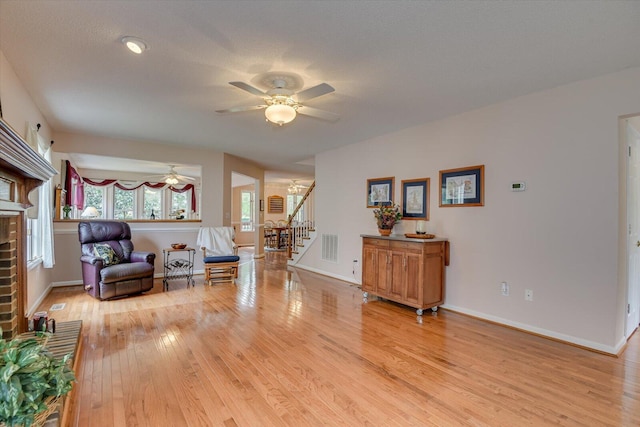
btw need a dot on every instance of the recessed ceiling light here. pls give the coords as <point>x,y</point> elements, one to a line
<point>134,44</point>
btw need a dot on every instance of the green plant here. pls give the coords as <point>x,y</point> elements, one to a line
<point>387,216</point>
<point>30,377</point>
<point>66,209</point>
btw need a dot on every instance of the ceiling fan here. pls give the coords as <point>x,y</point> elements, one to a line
<point>282,104</point>
<point>172,177</point>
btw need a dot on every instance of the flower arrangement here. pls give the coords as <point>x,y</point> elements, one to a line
<point>387,216</point>
<point>66,209</point>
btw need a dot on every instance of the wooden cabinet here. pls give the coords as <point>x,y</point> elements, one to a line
<point>407,271</point>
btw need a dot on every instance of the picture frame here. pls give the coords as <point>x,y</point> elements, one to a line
<point>275,204</point>
<point>415,199</point>
<point>462,187</point>
<point>380,191</point>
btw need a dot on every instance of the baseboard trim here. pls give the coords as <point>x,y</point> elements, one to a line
<point>544,333</point>
<point>67,283</point>
<point>37,302</point>
<point>324,273</point>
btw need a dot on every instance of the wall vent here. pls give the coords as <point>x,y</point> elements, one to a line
<point>330,247</point>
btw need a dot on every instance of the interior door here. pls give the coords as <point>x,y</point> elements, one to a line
<point>633,216</point>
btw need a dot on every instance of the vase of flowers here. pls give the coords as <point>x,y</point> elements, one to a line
<point>387,216</point>
<point>66,209</point>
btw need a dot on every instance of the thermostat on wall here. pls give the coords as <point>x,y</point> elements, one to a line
<point>518,186</point>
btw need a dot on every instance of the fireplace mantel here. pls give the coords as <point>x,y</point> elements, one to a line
<point>18,159</point>
<point>21,171</point>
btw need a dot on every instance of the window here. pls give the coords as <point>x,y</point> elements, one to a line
<point>124,203</point>
<point>292,203</point>
<point>152,200</point>
<point>180,203</point>
<point>247,210</point>
<point>32,240</point>
<point>39,223</point>
<point>138,203</point>
<point>94,196</point>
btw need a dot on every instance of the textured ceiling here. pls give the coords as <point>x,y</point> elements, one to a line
<point>394,64</point>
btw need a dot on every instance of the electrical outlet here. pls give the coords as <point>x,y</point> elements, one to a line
<point>504,289</point>
<point>528,295</point>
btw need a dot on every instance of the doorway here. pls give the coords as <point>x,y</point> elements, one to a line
<point>243,208</point>
<point>632,137</point>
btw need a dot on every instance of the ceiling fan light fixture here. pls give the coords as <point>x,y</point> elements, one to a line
<point>280,114</point>
<point>171,180</point>
<point>134,44</point>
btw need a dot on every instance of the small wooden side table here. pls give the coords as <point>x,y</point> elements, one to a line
<point>178,268</point>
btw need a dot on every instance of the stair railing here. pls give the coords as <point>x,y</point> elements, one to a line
<point>298,230</point>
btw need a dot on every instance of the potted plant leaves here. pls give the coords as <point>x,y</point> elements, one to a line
<point>31,382</point>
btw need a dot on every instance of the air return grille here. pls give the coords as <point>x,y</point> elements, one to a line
<point>330,247</point>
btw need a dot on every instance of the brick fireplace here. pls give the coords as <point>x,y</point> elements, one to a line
<point>9,226</point>
<point>22,170</point>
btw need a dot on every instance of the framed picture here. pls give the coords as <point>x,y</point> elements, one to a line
<point>379,192</point>
<point>462,187</point>
<point>275,204</point>
<point>415,199</point>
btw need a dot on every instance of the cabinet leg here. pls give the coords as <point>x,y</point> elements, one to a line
<point>365,295</point>
<point>434,309</point>
<point>419,312</point>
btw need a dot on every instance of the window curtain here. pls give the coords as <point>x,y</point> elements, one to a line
<point>187,187</point>
<point>74,199</point>
<point>157,185</point>
<point>45,205</point>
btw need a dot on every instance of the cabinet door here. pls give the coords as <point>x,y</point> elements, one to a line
<point>397,282</point>
<point>434,273</point>
<point>369,269</point>
<point>414,278</point>
<point>383,272</point>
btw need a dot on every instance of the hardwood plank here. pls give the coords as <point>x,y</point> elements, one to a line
<point>282,348</point>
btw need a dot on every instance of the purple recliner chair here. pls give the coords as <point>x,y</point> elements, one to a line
<point>110,266</point>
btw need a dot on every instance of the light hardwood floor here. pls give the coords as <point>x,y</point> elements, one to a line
<point>284,348</point>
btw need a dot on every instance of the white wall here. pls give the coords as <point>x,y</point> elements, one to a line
<point>558,238</point>
<point>18,109</point>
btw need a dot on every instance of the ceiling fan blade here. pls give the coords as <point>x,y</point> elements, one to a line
<point>240,109</point>
<point>248,88</point>
<point>314,92</point>
<point>320,114</point>
<point>186,178</point>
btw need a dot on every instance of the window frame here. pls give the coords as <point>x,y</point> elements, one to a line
<point>248,226</point>
<point>108,203</point>
<point>296,198</point>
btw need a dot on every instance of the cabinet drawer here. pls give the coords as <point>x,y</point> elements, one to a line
<point>378,243</point>
<point>407,246</point>
<point>433,248</point>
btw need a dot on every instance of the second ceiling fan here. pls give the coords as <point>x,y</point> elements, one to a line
<point>282,104</point>
<point>172,177</point>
